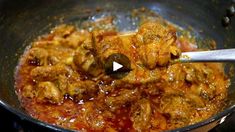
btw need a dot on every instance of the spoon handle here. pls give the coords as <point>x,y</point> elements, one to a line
<point>223,55</point>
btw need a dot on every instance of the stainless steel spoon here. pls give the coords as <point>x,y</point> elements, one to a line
<point>222,55</point>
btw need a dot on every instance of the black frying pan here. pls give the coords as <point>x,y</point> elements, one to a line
<point>21,21</point>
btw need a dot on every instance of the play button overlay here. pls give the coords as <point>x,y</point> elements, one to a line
<point>117,65</point>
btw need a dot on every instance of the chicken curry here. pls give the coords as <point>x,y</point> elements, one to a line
<point>61,80</point>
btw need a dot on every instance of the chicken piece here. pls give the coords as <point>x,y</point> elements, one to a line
<point>28,91</point>
<point>141,75</point>
<point>87,56</point>
<point>63,30</point>
<point>109,46</point>
<point>207,80</point>
<point>77,38</point>
<point>195,100</point>
<point>156,44</point>
<point>175,73</point>
<point>106,43</point>
<point>53,60</point>
<point>140,115</point>
<point>158,121</point>
<point>43,73</point>
<point>62,83</point>
<point>202,79</point>
<point>72,40</point>
<point>109,43</point>
<point>58,55</point>
<point>99,35</point>
<point>64,36</point>
<point>57,37</point>
<point>198,73</point>
<point>178,109</point>
<point>48,92</point>
<point>85,60</point>
<point>175,76</point>
<point>37,57</point>
<point>124,96</point>
<point>150,32</point>
<point>82,90</point>
<point>149,55</point>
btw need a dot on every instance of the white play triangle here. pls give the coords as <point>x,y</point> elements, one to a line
<point>116,66</point>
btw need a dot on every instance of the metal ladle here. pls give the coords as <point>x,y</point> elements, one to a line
<point>222,55</point>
